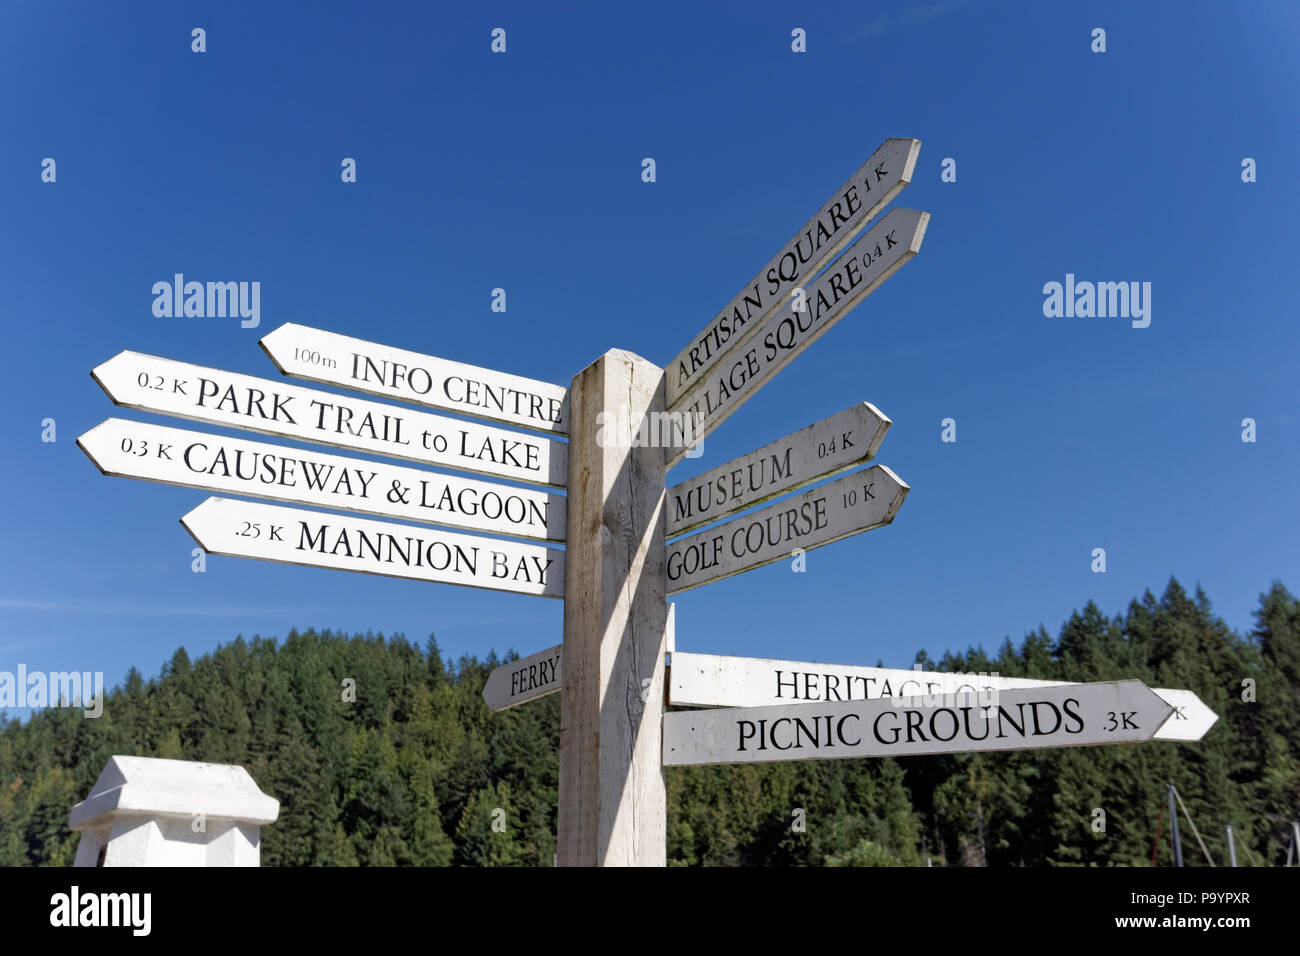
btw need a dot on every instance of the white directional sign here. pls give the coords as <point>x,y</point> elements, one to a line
<point>525,679</point>
<point>708,680</point>
<point>1069,715</point>
<point>819,240</point>
<point>245,529</point>
<point>855,503</point>
<point>876,255</point>
<point>834,444</point>
<point>176,456</point>
<point>202,394</point>
<point>335,359</point>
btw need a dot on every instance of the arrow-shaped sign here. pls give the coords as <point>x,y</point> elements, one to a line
<point>334,359</point>
<point>708,680</point>
<point>832,445</point>
<point>1071,715</point>
<point>175,456</point>
<point>153,384</point>
<point>879,253</point>
<point>523,680</point>
<point>850,505</point>
<point>245,529</point>
<point>818,241</point>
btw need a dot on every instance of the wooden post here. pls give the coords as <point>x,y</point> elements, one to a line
<point>612,809</point>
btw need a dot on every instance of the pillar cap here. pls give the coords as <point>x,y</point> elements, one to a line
<point>149,786</point>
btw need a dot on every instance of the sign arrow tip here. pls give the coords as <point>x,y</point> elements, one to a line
<point>913,151</point>
<point>87,444</point>
<point>267,344</point>
<point>195,520</point>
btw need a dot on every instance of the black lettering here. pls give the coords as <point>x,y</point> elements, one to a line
<point>741,725</point>
<point>839,731</point>
<point>799,725</point>
<point>1074,714</point>
<point>794,684</point>
<point>1038,729</point>
<point>1020,728</point>
<point>914,719</point>
<point>935,716</point>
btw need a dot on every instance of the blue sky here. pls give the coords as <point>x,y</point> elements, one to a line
<point>522,171</point>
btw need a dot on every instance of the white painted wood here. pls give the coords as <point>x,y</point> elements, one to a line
<point>146,811</point>
<point>333,359</point>
<point>874,257</point>
<point>612,800</point>
<point>153,384</point>
<point>872,187</point>
<point>1191,718</point>
<point>827,513</point>
<point>246,529</point>
<point>1073,715</point>
<point>523,680</point>
<point>832,445</point>
<point>708,680</point>
<point>176,456</point>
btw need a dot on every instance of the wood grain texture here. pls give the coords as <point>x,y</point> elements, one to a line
<point>612,809</point>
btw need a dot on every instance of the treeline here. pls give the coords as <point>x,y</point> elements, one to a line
<point>416,771</point>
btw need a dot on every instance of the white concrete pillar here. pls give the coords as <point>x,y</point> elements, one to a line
<point>143,811</point>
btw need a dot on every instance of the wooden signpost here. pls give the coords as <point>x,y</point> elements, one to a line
<point>1070,715</point>
<point>238,466</point>
<point>827,513</point>
<point>709,680</point>
<point>617,567</point>
<point>614,805</point>
<point>334,359</point>
<point>245,529</point>
<point>153,384</point>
